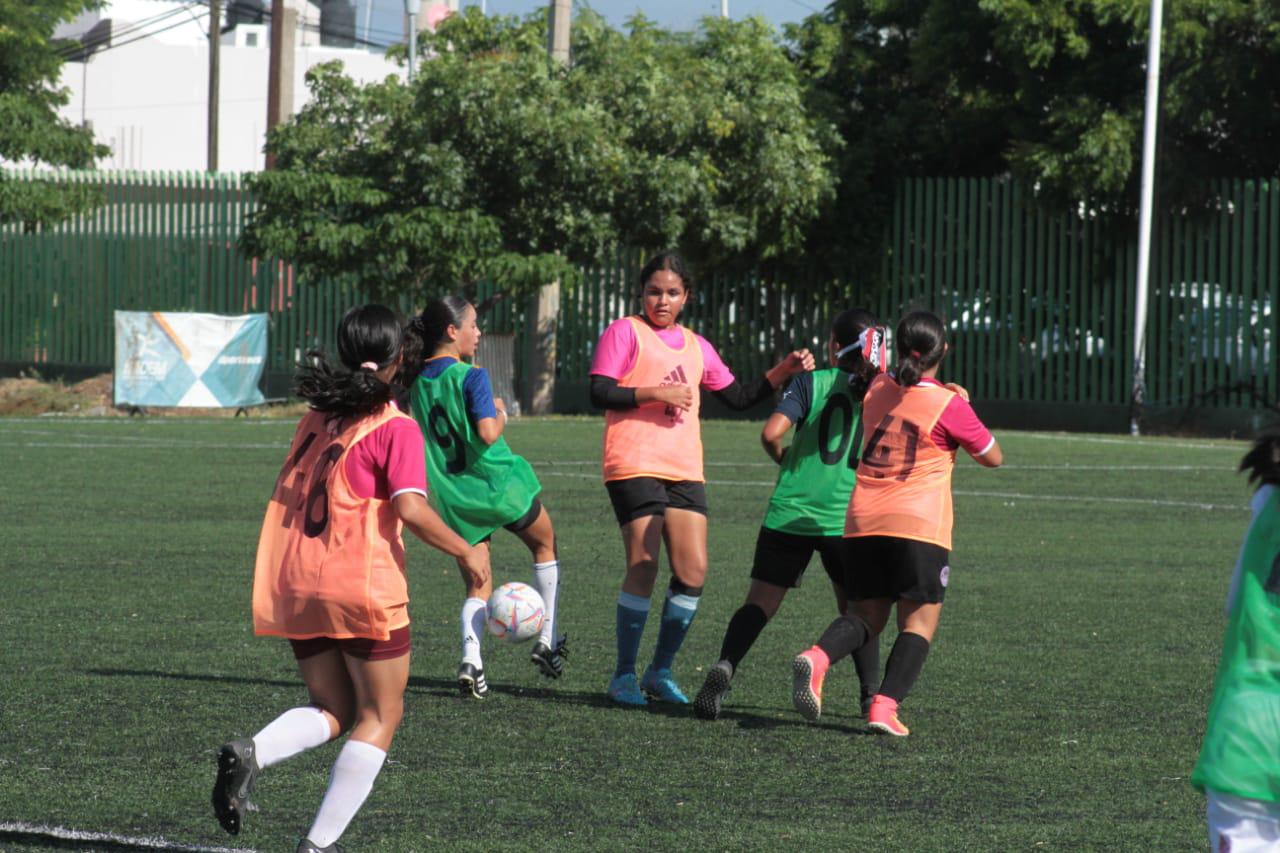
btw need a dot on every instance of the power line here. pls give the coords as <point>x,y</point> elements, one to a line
<point>90,45</point>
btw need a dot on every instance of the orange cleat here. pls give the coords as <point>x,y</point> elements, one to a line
<point>883,717</point>
<point>809,669</point>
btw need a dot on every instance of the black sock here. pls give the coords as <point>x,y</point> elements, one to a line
<point>905,662</point>
<point>743,629</point>
<point>867,661</point>
<point>843,636</point>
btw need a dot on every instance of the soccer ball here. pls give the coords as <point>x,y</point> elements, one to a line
<point>516,612</point>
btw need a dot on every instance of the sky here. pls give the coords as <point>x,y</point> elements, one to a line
<point>387,16</point>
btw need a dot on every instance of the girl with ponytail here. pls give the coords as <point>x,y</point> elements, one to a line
<point>479,485</point>
<point>806,511</point>
<point>898,526</point>
<point>330,574</point>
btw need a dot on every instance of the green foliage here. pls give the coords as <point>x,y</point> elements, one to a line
<point>1051,92</point>
<point>499,164</point>
<point>30,128</point>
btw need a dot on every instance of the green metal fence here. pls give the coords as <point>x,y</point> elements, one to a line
<point>1039,303</point>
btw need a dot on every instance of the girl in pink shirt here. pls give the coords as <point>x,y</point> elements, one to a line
<point>646,374</point>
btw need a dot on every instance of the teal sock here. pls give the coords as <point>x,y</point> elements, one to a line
<point>677,616</point>
<point>632,613</point>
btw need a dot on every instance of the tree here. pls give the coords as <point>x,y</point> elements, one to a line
<point>30,128</point>
<point>1051,92</point>
<point>498,164</point>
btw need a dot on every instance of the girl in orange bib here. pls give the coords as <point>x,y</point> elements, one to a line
<point>898,526</point>
<point>645,374</point>
<point>330,574</point>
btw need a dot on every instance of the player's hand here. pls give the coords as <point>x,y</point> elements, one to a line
<point>799,361</point>
<point>500,405</point>
<point>959,389</point>
<point>474,567</point>
<point>680,396</point>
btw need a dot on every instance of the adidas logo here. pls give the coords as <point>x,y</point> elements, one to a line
<point>675,377</point>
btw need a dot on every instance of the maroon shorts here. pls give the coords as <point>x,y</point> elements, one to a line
<point>357,647</point>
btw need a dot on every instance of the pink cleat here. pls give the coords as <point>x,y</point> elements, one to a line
<point>883,717</point>
<point>808,669</point>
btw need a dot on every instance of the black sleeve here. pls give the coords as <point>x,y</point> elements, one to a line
<point>797,399</point>
<point>605,393</point>
<point>738,396</point>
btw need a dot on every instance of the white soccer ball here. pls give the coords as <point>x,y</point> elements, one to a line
<point>516,612</point>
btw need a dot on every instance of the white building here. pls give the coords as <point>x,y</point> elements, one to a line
<point>145,85</point>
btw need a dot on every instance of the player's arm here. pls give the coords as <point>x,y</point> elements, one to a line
<point>490,429</point>
<point>740,396</point>
<point>487,413</point>
<point>425,523</point>
<point>606,393</point>
<point>993,457</point>
<point>775,429</point>
<point>792,409</point>
<point>963,428</point>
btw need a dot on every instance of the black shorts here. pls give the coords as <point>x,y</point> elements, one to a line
<point>358,647</point>
<point>523,522</point>
<point>781,557</point>
<point>637,497</point>
<point>894,568</point>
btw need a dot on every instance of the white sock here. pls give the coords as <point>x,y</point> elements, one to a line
<point>350,782</point>
<point>546,580</point>
<point>294,731</point>
<point>473,615</point>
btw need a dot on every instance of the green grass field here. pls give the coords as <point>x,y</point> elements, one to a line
<point>1061,707</point>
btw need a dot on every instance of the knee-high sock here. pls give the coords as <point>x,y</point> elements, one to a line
<point>633,611</point>
<point>866,659</point>
<point>294,731</point>
<point>905,662</point>
<point>473,615</point>
<point>677,615</point>
<point>350,782</point>
<point>744,628</point>
<point>843,637</point>
<point>546,580</point>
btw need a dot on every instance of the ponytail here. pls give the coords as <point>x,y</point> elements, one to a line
<point>920,342</point>
<point>1263,460</point>
<point>429,330</point>
<point>368,341</point>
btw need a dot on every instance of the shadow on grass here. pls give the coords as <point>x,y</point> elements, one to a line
<point>195,676</point>
<point>52,838</point>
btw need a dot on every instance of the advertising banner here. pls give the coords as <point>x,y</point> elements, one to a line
<point>167,358</point>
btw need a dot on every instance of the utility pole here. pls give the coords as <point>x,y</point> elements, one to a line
<point>215,41</point>
<point>1145,216</point>
<point>544,307</point>
<point>412,8</point>
<point>284,26</point>
<point>724,8</point>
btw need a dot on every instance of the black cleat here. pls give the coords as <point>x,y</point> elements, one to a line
<point>549,661</point>
<point>706,705</point>
<point>471,683</point>
<point>237,772</point>
<point>306,845</point>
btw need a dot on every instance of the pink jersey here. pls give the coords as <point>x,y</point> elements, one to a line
<point>389,461</point>
<point>618,347</point>
<point>959,427</point>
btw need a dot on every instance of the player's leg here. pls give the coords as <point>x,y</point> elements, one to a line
<point>835,552</point>
<point>685,534</point>
<point>471,680</point>
<point>331,708</point>
<point>539,537</point>
<point>640,505</point>
<point>921,586</point>
<point>379,688</point>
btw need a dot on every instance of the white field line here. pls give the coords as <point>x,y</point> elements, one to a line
<point>1242,507</point>
<point>8,828</point>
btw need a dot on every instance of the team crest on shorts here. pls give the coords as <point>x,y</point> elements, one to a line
<point>944,575</point>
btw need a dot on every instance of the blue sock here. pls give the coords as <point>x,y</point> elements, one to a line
<point>632,613</point>
<point>677,616</point>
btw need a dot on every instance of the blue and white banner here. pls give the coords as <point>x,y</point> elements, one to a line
<point>166,358</point>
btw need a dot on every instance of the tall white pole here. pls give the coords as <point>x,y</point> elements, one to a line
<point>724,8</point>
<point>412,8</point>
<point>1144,220</point>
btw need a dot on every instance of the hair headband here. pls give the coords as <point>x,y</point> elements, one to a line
<point>871,344</point>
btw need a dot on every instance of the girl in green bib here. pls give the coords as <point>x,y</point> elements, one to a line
<point>1239,766</point>
<point>806,512</point>
<point>477,484</point>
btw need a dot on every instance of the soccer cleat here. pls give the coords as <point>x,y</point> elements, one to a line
<point>550,661</point>
<point>237,772</point>
<point>706,705</point>
<point>471,683</point>
<point>306,845</point>
<point>624,690</point>
<point>808,671</point>
<point>883,717</point>
<point>658,684</point>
